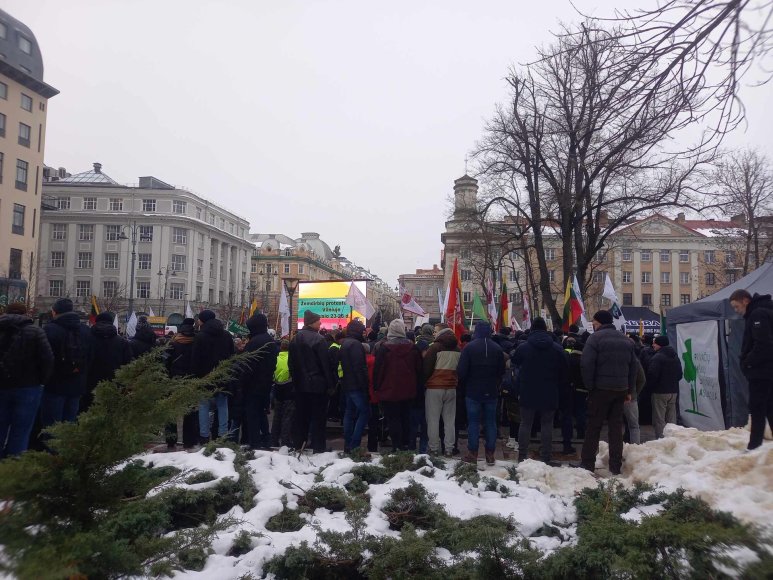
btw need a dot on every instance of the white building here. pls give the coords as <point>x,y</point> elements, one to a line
<point>185,247</point>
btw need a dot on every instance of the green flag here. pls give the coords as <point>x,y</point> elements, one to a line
<point>478,310</point>
<point>236,328</point>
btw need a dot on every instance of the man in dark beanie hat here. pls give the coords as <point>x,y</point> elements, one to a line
<point>313,379</point>
<point>256,382</point>
<point>111,352</point>
<point>609,369</point>
<point>179,363</point>
<point>664,372</point>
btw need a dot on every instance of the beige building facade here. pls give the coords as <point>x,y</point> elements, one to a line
<point>23,109</point>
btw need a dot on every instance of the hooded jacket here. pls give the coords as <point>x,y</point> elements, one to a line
<point>609,361</point>
<point>33,360</point>
<point>111,352</point>
<point>441,360</point>
<point>180,361</point>
<point>310,364</point>
<point>211,345</point>
<point>543,371</point>
<point>481,365</point>
<point>352,357</point>
<point>397,371</point>
<point>143,340</point>
<point>664,372</point>
<point>66,383</point>
<point>425,338</point>
<point>757,346</point>
<point>260,373</point>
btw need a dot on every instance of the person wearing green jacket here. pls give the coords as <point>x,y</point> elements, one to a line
<point>284,403</point>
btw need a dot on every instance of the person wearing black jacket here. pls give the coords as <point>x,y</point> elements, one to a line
<point>256,382</point>
<point>72,345</point>
<point>144,338</point>
<point>757,358</point>
<point>179,363</point>
<point>354,382</point>
<point>26,361</point>
<point>313,379</point>
<point>111,352</point>
<point>210,346</point>
<point>664,372</point>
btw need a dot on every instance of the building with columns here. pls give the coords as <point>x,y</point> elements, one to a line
<point>185,247</point>
<point>23,109</point>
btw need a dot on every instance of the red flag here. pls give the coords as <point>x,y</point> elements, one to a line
<point>94,311</point>
<point>504,315</point>
<point>572,307</point>
<point>455,310</point>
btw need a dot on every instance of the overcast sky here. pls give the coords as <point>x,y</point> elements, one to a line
<point>348,118</point>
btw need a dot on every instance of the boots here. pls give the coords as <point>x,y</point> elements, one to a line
<point>490,458</point>
<point>471,458</point>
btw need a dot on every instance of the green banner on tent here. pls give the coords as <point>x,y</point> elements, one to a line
<point>236,328</point>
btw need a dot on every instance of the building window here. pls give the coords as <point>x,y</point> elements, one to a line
<point>231,227</point>
<point>176,291</point>
<point>62,203</point>
<point>199,288</point>
<point>684,256</point>
<point>254,268</point>
<point>212,223</point>
<point>731,277</point>
<point>201,241</point>
<point>57,259</point>
<point>222,227</point>
<point>665,299</point>
<point>178,263</point>
<point>178,206</point>
<point>25,45</point>
<point>514,275</point>
<point>220,297</point>
<point>85,232</point>
<point>198,213</point>
<point>598,276</point>
<point>21,174</point>
<point>143,289</point>
<point>300,268</point>
<point>627,255</point>
<point>665,255</point>
<point>85,261</point>
<point>287,268</point>
<point>90,203</point>
<point>288,253</point>
<point>550,253</point>
<point>199,266</point>
<point>3,91</point>
<point>55,288</point>
<point>551,276</point>
<point>112,233</point>
<point>17,226</point>
<point>627,299</point>
<point>26,102</point>
<point>646,299</point>
<point>146,233</point>
<point>180,236</point>
<point>684,298</point>
<point>268,285</point>
<point>665,277</point>
<point>58,231</point>
<point>83,288</point>
<point>684,277</point>
<point>109,288</point>
<point>709,256</point>
<point>646,277</point>
<point>466,296</point>
<point>2,160</point>
<point>516,297</point>
<point>148,205</point>
<point>2,125</point>
<point>710,279</point>
<point>25,134</point>
<point>116,204</point>
<point>14,264</point>
<point>143,261</point>
<point>730,258</point>
<point>111,261</point>
<point>646,255</point>
<point>466,275</point>
<point>627,277</point>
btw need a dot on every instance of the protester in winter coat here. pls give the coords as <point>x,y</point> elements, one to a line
<point>663,375</point>
<point>26,361</point>
<point>314,380</point>
<point>257,378</point>
<point>543,370</point>
<point>440,380</point>
<point>284,403</point>
<point>425,337</point>
<point>631,408</point>
<point>72,345</point>
<point>179,363</point>
<point>480,370</point>
<point>211,345</point>
<point>579,392</point>
<point>757,358</point>
<point>647,351</point>
<point>396,379</point>
<point>111,352</point>
<point>354,384</point>
<point>144,339</point>
<point>375,423</point>
<point>609,370</point>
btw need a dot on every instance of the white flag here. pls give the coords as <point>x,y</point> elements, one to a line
<point>440,302</point>
<point>618,318</point>
<point>150,312</point>
<point>408,303</point>
<point>284,313</point>
<point>115,322</point>
<point>609,290</point>
<point>188,311</point>
<point>491,302</point>
<point>357,300</point>
<point>513,321</point>
<point>131,325</point>
<point>526,312</point>
<point>445,302</point>
<point>578,294</point>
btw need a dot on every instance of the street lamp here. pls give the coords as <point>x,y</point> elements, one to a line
<point>166,272</point>
<point>267,276</point>
<point>290,285</point>
<point>133,229</point>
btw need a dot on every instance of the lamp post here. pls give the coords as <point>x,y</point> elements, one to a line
<point>123,236</point>
<point>166,272</point>
<point>290,285</point>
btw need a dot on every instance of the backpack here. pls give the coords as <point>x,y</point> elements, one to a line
<point>70,360</point>
<point>10,343</point>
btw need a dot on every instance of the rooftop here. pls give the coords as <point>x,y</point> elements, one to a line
<point>93,176</point>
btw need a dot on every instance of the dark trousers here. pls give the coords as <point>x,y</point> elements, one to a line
<point>18,408</point>
<point>256,401</point>
<point>604,406</point>
<point>374,428</point>
<point>418,429</point>
<point>760,408</point>
<point>398,418</point>
<point>311,416</point>
<point>546,433</point>
<point>56,408</point>
<point>282,426</point>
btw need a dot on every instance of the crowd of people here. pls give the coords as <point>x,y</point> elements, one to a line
<point>417,388</point>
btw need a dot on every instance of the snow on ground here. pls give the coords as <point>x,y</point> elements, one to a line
<point>712,465</point>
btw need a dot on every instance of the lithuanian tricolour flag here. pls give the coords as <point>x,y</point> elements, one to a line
<point>94,311</point>
<point>572,307</point>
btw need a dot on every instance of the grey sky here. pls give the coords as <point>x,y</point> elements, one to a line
<point>349,118</point>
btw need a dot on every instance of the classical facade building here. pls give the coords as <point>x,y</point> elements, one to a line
<point>277,258</point>
<point>424,286</point>
<point>23,108</point>
<point>98,235</point>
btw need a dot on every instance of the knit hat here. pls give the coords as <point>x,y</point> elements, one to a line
<point>206,315</point>
<point>16,308</point>
<point>603,317</point>
<point>310,318</point>
<point>104,317</point>
<point>62,305</point>
<point>257,323</point>
<point>355,329</point>
<point>396,329</point>
<point>539,324</point>
<point>188,321</point>
<point>661,340</point>
<point>427,330</point>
